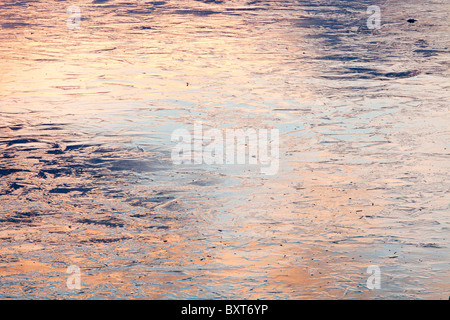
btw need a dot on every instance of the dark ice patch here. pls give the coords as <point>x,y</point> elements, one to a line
<point>55,151</point>
<point>402,75</point>
<point>210,1</point>
<point>15,220</point>
<point>158,227</point>
<point>106,240</point>
<point>14,25</point>
<point>19,141</point>
<point>427,52</point>
<point>16,186</point>
<point>5,172</point>
<point>68,190</point>
<point>197,12</point>
<point>112,223</point>
<point>16,127</point>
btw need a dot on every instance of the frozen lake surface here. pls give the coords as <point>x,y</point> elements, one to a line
<point>86,176</point>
